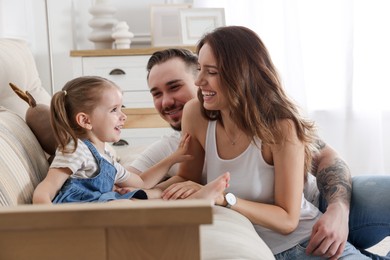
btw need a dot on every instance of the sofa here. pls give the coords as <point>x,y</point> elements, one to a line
<point>151,229</point>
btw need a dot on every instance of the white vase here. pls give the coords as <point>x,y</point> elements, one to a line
<point>122,36</point>
<point>102,23</point>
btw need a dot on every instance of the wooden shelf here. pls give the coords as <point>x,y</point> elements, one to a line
<point>123,52</point>
<point>143,118</point>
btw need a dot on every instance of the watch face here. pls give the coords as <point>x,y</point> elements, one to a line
<point>230,199</point>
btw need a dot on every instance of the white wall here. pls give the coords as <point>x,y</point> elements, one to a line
<point>69,30</point>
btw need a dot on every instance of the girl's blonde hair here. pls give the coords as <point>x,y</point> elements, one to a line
<point>81,94</point>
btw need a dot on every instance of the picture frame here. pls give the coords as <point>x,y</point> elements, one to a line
<point>195,22</point>
<point>165,24</point>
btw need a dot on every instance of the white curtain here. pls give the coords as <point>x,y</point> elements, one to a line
<point>333,57</point>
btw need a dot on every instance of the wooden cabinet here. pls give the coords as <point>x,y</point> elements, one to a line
<point>125,67</point>
<point>127,71</point>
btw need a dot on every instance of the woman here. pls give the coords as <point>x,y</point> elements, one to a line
<point>244,123</point>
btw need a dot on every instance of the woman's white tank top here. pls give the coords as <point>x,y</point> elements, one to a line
<point>251,178</point>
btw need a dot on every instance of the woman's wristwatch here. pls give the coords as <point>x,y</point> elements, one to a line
<point>231,200</point>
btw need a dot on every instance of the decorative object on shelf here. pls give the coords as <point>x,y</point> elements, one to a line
<point>165,24</point>
<point>195,22</point>
<point>102,23</point>
<point>122,36</point>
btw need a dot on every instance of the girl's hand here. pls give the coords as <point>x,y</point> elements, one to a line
<point>180,154</point>
<point>123,190</point>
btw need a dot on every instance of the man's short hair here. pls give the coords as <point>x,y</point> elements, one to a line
<point>158,57</point>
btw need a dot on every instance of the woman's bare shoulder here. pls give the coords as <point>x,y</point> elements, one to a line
<point>192,115</point>
<point>192,106</point>
<point>288,129</point>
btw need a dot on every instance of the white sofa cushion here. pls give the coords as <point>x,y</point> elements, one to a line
<point>23,163</point>
<point>232,236</point>
<point>17,66</point>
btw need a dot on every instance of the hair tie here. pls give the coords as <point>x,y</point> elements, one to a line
<point>65,93</point>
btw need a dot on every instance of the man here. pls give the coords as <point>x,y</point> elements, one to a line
<point>171,77</point>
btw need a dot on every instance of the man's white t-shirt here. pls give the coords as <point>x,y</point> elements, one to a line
<point>159,150</point>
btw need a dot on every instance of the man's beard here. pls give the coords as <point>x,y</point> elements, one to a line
<point>176,128</point>
<point>166,113</point>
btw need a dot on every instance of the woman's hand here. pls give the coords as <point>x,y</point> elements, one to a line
<point>180,190</point>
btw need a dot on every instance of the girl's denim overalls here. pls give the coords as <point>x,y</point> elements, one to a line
<point>95,189</point>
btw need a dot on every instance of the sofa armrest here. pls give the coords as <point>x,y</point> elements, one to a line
<point>153,229</point>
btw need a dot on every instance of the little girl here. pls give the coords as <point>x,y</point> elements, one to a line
<point>85,115</point>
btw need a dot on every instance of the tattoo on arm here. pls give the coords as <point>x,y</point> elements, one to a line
<point>334,182</point>
<point>315,160</point>
<point>320,144</point>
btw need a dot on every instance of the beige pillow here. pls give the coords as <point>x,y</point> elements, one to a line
<point>23,163</point>
<point>17,65</point>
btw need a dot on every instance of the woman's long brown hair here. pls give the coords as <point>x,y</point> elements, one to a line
<point>254,91</point>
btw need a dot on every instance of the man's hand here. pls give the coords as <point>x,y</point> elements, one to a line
<point>330,233</point>
<point>180,190</point>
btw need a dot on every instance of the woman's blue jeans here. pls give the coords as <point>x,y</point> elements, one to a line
<point>369,217</point>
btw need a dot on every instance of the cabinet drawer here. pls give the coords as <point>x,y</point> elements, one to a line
<point>128,72</point>
<point>137,99</point>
